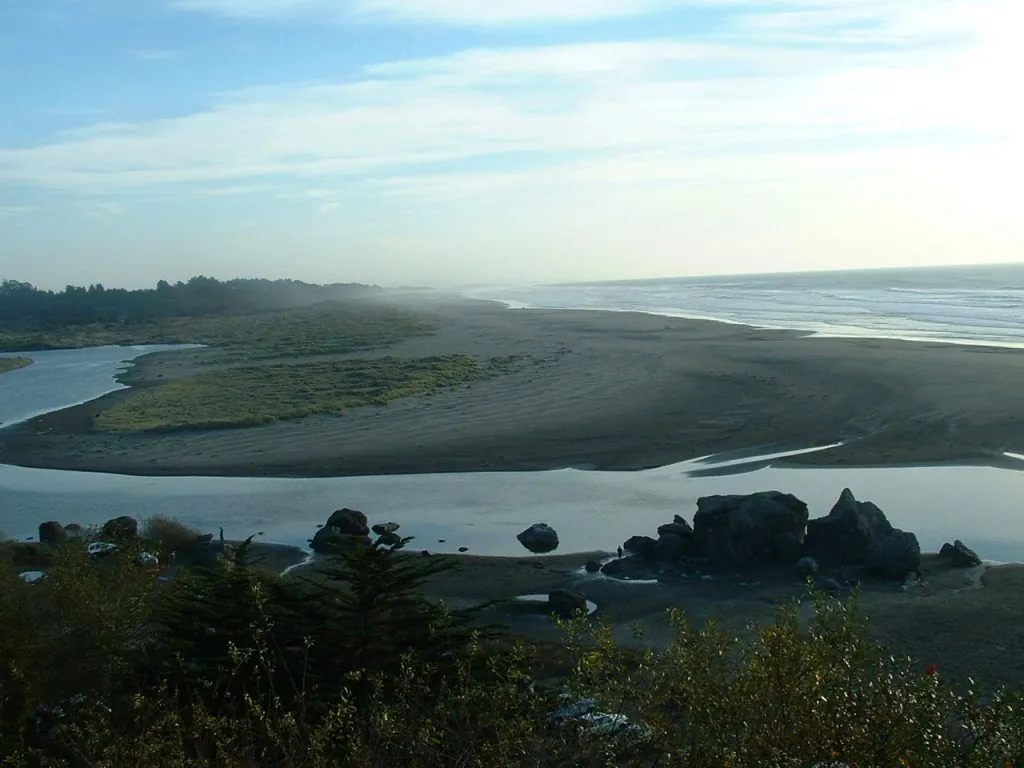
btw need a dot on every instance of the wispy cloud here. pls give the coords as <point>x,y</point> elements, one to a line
<point>742,93</point>
<point>10,211</point>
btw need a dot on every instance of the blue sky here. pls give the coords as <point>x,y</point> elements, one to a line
<point>477,141</point>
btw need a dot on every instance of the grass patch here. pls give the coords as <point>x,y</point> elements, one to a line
<point>14,363</point>
<point>321,329</point>
<point>249,396</point>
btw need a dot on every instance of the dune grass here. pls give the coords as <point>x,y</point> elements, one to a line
<point>321,329</point>
<point>249,396</point>
<point>14,363</point>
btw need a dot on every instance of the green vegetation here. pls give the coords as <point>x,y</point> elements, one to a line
<point>14,363</point>
<point>235,397</point>
<point>236,667</point>
<point>167,533</point>
<point>323,329</point>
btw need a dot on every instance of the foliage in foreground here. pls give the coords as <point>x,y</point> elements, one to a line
<point>248,396</point>
<point>233,667</point>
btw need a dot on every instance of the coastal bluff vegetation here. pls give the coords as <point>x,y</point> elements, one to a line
<point>130,647</point>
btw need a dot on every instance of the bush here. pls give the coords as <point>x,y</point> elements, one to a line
<point>233,667</point>
<point>170,533</point>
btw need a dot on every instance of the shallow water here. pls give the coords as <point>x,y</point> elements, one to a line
<point>484,511</point>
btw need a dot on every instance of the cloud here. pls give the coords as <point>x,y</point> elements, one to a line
<point>692,101</point>
<point>457,12</point>
<point>11,211</point>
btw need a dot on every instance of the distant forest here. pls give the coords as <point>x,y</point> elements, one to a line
<point>25,307</point>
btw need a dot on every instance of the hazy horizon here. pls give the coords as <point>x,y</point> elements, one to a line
<point>466,142</point>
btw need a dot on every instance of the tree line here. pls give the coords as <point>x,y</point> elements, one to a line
<point>24,306</point>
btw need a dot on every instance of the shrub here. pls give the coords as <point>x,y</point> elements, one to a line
<point>170,533</point>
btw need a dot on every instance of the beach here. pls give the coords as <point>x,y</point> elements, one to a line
<point>590,389</point>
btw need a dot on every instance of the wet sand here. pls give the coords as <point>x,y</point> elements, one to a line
<point>603,390</point>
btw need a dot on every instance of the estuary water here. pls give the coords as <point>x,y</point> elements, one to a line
<point>481,511</point>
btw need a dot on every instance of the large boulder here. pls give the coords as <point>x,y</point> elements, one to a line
<point>74,531</point>
<point>671,547</point>
<point>760,528</point>
<point>894,556</point>
<point>383,529</point>
<point>350,522</point>
<point>539,538</point>
<point>958,554</point>
<point>330,540</point>
<point>644,546</point>
<point>566,603</point>
<point>847,535</point>
<point>679,528</point>
<point>52,532</point>
<point>120,528</point>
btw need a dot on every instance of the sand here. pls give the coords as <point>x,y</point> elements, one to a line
<point>629,391</point>
<point>603,390</point>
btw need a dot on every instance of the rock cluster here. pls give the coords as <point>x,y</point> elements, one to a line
<point>771,529</point>
<point>348,529</point>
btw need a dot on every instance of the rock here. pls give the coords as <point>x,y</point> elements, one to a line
<point>565,603</point>
<point>847,535</point>
<point>682,529</point>
<point>958,553</point>
<point>539,538</point>
<point>350,522</point>
<point>120,528</point>
<point>644,546</point>
<point>463,549</point>
<point>765,527</point>
<point>74,531</point>
<point>383,529</point>
<point>330,540</point>
<point>806,566</point>
<point>593,566</point>
<point>634,568</point>
<point>671,547</point>
<point>894,556</point>
<point>52,532</point>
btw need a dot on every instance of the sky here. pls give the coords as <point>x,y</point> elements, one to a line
<point>457,142</point>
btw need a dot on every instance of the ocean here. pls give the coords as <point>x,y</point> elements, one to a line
<point>964,305</point>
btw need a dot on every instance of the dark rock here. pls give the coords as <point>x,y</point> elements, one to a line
<point>390,539</point>
<point>671,547</point>
<point>630,568</point>
<point>565,603</point>
<point>463,549</point>
<point>894,556</point>
<point>682,529</point>
<point>644,546</point>
<point>425,553</point>
<point>679,520</point>
<point>848,534</point>
<point>74,531</point>
<point>331,540</point>
<point>806,566</point>
<point>539,538</point>
<point>350,522</point>
<point>382,529</point>
<point>958,553</point>
<point>593,566</point>
<point>120,528</point>
<point>52,532</point>
<point>765,527</point>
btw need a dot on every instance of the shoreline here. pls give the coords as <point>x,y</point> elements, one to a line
<point>621,391</point>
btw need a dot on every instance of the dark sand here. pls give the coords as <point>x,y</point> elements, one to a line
<point>604,390</point>
<point>630,391</point>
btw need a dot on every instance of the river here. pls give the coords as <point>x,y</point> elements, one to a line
<point>984,506</point>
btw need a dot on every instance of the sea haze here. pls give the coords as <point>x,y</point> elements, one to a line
<point>965,305</point>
